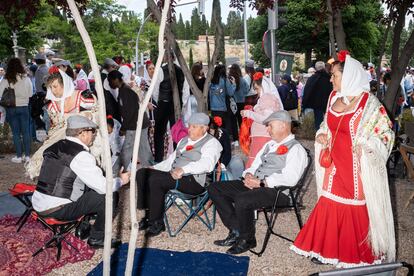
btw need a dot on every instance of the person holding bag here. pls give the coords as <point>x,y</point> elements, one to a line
<point>15,91</point>
<point>352,222</point>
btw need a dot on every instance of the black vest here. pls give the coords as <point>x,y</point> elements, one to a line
<point>165,91</point>
<point>56,178</point>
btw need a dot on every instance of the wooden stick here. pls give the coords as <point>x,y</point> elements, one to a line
<point>144,104</point>
<point>104,133</point>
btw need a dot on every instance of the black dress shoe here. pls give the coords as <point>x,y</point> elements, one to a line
<point>316,261</point>
<point>143,224</point>
<point>229,241</point>
<point>99,243</point>
<point>155,229</point>
<point>242,246</point>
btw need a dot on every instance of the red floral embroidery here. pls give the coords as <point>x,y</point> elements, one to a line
<point>382,110</point>
<point>282,149</point>
<point>189,147</point>
<point>385,139</point>
<point>376,130</point>
<point>342,55</point>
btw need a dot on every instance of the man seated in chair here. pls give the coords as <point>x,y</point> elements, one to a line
<point>280,162</point>
<point>70,183</point>
<point>185,169</point>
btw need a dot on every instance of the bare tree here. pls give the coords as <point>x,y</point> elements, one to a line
<point>201,96</point>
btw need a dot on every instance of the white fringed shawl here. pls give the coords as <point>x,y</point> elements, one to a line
<point>376,138</point>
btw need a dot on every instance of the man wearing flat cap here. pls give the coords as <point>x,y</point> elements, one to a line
<point>280,162</point>
<point>70,184</point>
<point>195,156</point>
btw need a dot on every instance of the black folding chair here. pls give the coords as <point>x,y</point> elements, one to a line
<point>380,269</point>
<point>293,195</point>
<point>60,230</point>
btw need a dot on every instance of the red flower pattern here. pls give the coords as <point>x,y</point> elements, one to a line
<point>376,130</point>
<point>342,55</point>
<point>189,147</point>
<point>282,149</point>
<point>382,110</point>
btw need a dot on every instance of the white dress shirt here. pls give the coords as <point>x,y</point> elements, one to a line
<point>296,162</point>
<point>210,154</point>
<point>85,168</point>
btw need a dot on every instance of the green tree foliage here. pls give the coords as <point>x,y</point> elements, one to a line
<point>179,28</point>
<point>234,27</point>
<point>187,35</point>
<point>112,28</point>
<point>196,25</point>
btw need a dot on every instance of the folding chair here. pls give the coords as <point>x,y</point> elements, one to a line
<point>293,195</point>
<point>60,230</point>
<point>23,192</point>
<point>191,206</point>
<point>380,269</point>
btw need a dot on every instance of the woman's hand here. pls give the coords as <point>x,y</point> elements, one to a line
<point>243,113</point>
<point>322,139</point>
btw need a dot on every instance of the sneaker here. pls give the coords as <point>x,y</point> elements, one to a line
<point>235,144</point>
<point>26,159</point>
<point>17,160</point>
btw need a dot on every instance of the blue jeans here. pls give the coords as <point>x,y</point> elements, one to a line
<point>18,118</point>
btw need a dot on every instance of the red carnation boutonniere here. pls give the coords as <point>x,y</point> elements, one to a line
<point>342,55</point>
<point>218,121</point>
<point>189,147</point>
<point>282,149</point>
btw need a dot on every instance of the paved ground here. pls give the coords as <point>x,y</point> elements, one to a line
<point>277,260</point>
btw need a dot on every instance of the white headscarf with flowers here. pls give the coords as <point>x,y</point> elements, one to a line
<point>354,80</point>
<point>68,89</point>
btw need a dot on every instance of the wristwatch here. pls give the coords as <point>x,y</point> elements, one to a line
<point>262,183</point>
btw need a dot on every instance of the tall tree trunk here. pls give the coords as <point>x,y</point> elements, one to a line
<point>382,51</point>
<point>104,133</point>
<point>173,81</point>
<point>397,71</point>
<point>339,32</point>
<point>308,58</point>
<point>331,28</point>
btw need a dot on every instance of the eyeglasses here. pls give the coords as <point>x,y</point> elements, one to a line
<point>90,129</point>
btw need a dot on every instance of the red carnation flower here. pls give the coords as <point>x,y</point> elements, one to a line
<point>248,107</point>
<point>282,149</point>
<point>189,147</point>
<point>257,76</point>
<point>109,117</point>
<point>53,70</point>
<point>342,55</point>
<point>218,121</point>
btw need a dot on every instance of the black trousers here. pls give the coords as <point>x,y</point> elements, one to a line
<point>236,204</point>
<point>89,203</point>
<point>153,185</point>
<point>163,114</point>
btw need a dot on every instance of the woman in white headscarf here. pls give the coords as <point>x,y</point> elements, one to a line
<point>352,222</point>
<point>65,101</point>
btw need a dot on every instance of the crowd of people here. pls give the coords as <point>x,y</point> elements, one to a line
<point>352,222</point>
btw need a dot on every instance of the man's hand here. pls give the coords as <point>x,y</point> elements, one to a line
<point>249,176</point>
<point>124,176</point>
<point>177,173</point>
<point>251,182</point>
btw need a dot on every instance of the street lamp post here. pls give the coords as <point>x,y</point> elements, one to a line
<point>137,41</point>
<point>246,49</point>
